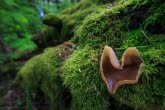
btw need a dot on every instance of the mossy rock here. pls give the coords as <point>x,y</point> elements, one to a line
<point>48,35</point>
<point>80,73</point>
<point>52,20</point>
<point>68,21</point>
<point>41,74</point>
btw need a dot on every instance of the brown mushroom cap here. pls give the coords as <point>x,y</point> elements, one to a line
<point>114,74</point>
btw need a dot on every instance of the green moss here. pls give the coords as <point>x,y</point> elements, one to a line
<point>52,20</point>
<point>81,75</point>
<point>156,15</point>
<point>71,18</point>
<point>101,29</point>
<point>109,25</point>
<point>110,28</point>
<point>41,73</point>
<point>135,38</point>
<point>92,30</point>
<point>150,87</point>
<point>49,34</point>
<point>47,31</point>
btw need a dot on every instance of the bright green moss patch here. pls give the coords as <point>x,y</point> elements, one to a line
<point>150,86</point>
<point>101,29</point>
<point>81,74</point>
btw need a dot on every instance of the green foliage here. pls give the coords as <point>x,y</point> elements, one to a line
<point>19,20</point>
<point>21,44</point>
<point>55,8</point>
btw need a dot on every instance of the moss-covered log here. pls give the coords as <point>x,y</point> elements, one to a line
<point>69,20</point>
<point>124,24</point>
<point>52,20</point>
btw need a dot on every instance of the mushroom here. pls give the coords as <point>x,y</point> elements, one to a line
<point>115,74</point>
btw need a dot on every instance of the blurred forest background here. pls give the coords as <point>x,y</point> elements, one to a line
<point>21,20</point>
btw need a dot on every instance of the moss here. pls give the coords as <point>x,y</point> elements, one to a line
<point>109,24</point>
<point>73,17</point>
<point>135,38</point>
<point>150,87</point>
<point>155,22</point>
<point>81,75</point>
<point>41,73</point>
<point>70,19</point>
<point>92,29</point>
<point>52,20</point>
<point>49,35</point>
<point>156,13</point>
<point>102,29</point>
<point>111,27</point>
